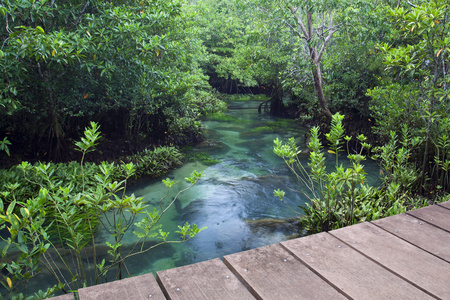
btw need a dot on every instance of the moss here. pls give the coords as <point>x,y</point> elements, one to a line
<point>261,97</point>
<point>264,129</point>
<point>220,116</point>
<point>202,157</point>
<point>275,126</point>
<point>282,123</point>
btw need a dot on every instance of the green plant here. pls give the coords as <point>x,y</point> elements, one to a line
<point>203,157</point>
<point>415,89</point>
<point>4,145</point>
<point>342,197</point>
<point>58,244</point>
<point>264,129</point>
<point>156,162</point>
<point>442,157</point>
<point>396,164</point>
<point>68,62</point>
<point>220,116</point>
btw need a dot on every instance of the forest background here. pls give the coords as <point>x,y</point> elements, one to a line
<point>148,71</point>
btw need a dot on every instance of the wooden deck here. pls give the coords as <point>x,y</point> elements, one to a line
<point>401,257</point>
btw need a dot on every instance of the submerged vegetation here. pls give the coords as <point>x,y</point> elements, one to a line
<point>221,116</point>
<point>244,97</point>
<point>202,157</point>
<point>148,71</point>
<point>275,126</point>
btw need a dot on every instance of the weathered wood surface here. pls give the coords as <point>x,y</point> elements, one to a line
<point>434,214</point>
<point>400,257</point>
<point>207,280</point>
<point>139,287</point>
<point>273,273</point>
<point>349,271</point>
<point>445,204</point>
<point>64,297</point>
<point>419,233</point>
<point>424,270</point>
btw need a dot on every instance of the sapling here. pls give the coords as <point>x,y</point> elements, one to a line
<point>77,214</point>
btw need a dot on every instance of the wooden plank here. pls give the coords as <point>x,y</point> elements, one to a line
<point>424,270</point>
<point>433,214</point>
<point>419,233</point>
<point>208,280</point>
<point>445,204</point>
<point>63,297</point>
<point>273,273</point>
<point>139,287</point>
<point>348,270</point>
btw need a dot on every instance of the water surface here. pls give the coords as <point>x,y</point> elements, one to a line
<point>232,194</point>
<point>234,198</point>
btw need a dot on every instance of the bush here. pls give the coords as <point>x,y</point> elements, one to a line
<point>54,223</point>
<point>341,197</point>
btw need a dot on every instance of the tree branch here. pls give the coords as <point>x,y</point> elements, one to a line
<point>310,23</point>
<point>81,13</point>
<point>327,39</point>
<point>299,22</point>
<point>415,6</point>
<point>296,31</point>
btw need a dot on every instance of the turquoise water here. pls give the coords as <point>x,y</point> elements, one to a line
<point>234,198</point>
<point>230,196</point>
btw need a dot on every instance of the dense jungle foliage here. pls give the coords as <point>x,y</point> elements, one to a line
<point>147,71</point>
<point>132,66</point>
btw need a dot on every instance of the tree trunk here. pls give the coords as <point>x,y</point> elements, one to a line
<point>306,33</point>
<point>276,102</point>
<point>317,75</point>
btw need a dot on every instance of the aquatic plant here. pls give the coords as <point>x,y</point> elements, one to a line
<point>244,97</point>
<point>342,197</point>
<point>220,116</point>
<point>280,125</point>
<point>264,129</point>
<point>59,244</point>
<point>203,157</point>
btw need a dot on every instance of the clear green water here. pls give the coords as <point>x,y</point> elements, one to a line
<point>231,195</point>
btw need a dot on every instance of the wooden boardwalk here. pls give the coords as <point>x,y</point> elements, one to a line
<point>401,257</point>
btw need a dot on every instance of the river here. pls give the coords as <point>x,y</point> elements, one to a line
<point>234,198</point>
<point>233,194</point>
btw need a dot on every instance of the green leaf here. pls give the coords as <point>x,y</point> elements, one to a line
<point>40,29</point>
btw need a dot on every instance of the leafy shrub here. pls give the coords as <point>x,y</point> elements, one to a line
<point>341,197</point>
<point>156,162</point>
<point>61,213</point>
